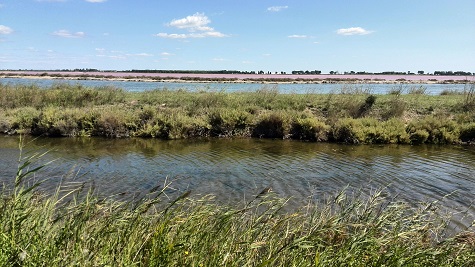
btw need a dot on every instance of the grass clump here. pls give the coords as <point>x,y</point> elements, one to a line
<point>71,227</point>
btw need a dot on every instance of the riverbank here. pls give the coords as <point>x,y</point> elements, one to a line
<point>351,116</point>
<point>242,78</point>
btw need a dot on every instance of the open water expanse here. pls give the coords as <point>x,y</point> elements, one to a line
<point>139,86</point>
<point>238,169</point>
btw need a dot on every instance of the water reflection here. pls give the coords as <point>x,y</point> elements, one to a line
<point>235,170</point>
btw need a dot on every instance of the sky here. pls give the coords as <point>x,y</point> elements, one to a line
<point>245,35</point>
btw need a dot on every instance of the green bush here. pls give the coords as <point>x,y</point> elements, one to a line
<point>348,131</point>
<point>467,133</point>
<point>419,136</point>
<point>22,118</point>
<point>115,121</point>
<point>434,130</point>
<point>229,122</point>
<point>271,125</point>
<point>311,129</point>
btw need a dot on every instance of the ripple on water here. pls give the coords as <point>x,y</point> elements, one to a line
<point>236,170</point>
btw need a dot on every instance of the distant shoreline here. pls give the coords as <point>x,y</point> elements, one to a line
<point>239,78</point>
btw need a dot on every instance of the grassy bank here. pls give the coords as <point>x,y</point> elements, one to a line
<point>74,228</point>
<point>405,115</point>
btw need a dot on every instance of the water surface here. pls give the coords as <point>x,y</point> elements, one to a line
<point>140,86</point>
<point>236,170</point>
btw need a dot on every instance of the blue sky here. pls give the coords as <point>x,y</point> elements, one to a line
<point>268,35</point>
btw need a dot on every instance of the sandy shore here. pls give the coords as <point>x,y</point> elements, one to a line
<point>237,78</point>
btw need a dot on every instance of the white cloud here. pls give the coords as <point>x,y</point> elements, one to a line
<point>5,30</point>
<point>196,25</point>
<point>297,36</point>
<point>166,54</point>
<point>276,8</point>
<point>219,59</point>
<point>68,34</point>
<point>96,1</point>
<point>196,22</point>
<point>171,35</point>
<point>140,55</point>
<point>353,31</point>
<point>190,35</point>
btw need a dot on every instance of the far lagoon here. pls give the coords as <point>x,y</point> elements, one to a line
<point>134,85</point>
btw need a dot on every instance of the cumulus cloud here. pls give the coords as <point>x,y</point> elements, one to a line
<point>5,30</point>
<point>68,34</point>
<point>276,8</point>
<point>353,31</point>
<point>196,25</point>
<point>297,36</point>
<point>196,22</point>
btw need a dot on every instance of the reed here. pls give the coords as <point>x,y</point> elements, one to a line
<point>74,227</point>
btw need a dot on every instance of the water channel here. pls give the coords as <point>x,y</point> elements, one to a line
<point>236,170</point>
<point>286,88</point>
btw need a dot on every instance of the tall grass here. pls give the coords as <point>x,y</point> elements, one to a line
<point>60,95</point>
<point>73,227</point>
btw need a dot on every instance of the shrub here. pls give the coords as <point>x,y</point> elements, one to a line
<point>348,131</point>
<point>467,133</point>
<point>270,125</point>
<point>229,122</point>
<point>419,137</point>
<point>115,121</point>
<point>22,118</point>
<point>370,131</point>
<point>181,126</point>
<point>434,130</point>
<point>311,129</point>
<point>365,107</point>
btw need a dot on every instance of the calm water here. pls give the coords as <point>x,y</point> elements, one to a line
<point>133,86</point>
<point>236,170</point>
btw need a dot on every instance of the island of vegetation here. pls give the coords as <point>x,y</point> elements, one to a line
<point>406,115</point>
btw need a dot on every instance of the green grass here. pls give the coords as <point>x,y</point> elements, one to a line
<point>74,227</point>
<point>352,116</point>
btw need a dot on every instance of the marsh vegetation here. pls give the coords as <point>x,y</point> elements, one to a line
<point>403,116</point>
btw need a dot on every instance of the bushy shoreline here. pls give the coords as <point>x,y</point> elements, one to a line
<point>350,116</point>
